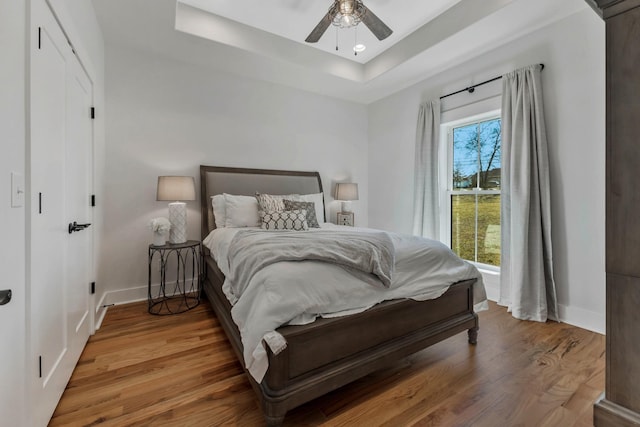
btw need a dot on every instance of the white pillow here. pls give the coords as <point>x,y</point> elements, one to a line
<point>318,201</point>
<point>242,211</point>
<point>219,210</point>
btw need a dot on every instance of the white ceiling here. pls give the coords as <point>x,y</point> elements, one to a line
<point>262,48</point>
<point>294,20</point>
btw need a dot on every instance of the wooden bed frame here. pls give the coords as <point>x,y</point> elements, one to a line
<point>328,353</point>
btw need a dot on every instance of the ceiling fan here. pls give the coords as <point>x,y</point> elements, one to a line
<point>346,14</point>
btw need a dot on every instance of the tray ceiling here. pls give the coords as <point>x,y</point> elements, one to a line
<point>264,39</point>
<point>294,20</point>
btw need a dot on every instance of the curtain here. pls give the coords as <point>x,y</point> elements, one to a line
<point>426,210</point>
<point>526,273</point>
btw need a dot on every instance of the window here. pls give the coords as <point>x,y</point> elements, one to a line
<point>472,195</point>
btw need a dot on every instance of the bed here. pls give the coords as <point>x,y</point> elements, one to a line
<point>324,355</point>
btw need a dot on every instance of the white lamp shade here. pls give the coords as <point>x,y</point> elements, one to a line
<point>346,191</point>
<point>175,188</point>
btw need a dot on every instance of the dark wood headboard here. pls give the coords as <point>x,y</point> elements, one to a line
<point>217,180</point>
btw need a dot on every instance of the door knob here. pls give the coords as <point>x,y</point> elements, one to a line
<point>74,226</point>
<point>5,296</point>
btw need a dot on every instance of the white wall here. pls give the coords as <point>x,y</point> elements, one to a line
<point>573,51</point>
<point>12,251</point>
<point>166,117</point>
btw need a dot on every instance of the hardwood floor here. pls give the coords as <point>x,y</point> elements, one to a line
<point>179,370</point>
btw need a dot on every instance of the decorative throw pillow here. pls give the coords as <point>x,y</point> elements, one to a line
<point>271,202</point>
<point>316,198</point>
<point>284,220</point>
<point>292,205</point>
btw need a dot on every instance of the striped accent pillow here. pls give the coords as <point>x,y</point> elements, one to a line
<point>271,202</point>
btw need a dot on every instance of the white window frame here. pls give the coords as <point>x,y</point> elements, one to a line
<point>453,120</point>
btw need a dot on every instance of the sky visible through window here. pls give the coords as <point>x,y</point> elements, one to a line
<point>476,148</point>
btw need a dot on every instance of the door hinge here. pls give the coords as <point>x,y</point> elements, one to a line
<point>40,366</point>
<point>93,288</point>
<point>39,37</point>
<point>93,200</point>
<point>39,203</point>
<point>93,112</point>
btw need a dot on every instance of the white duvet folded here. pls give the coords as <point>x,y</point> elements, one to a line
<point>297,292</point>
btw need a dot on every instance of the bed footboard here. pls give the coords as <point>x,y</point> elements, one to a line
<point>330,353</point>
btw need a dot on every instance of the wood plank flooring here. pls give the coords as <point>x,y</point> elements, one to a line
<point>144,370</point>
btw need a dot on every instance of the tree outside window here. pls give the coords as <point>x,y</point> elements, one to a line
<point>475,191</point>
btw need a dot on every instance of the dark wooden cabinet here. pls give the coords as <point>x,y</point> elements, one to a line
<point>623,143</point>
<point>620,404</point>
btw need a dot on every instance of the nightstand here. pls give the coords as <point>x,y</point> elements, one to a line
<point>345,218</point>
<point>179,267</point>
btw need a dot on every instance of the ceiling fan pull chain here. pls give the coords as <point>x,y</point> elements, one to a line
<point>355,52</point>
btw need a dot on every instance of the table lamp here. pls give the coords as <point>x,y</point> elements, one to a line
<point>179,189</point>
<point>346,192</point>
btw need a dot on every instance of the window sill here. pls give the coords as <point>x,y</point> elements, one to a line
<point>485,268</point>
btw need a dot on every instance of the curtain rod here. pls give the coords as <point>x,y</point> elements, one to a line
<point>472,89</point>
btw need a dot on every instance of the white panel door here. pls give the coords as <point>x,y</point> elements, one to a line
<point>47,295</point>
<point>78,187</point>
<point>60,171</point>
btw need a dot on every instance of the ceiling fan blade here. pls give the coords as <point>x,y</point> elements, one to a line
<point>319,30</point>
<point>377,27</point>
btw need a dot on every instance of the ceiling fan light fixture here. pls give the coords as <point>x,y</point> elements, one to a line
<point>347,21</point>
<point>347,13</point>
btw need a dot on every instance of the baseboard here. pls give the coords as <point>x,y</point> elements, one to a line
<point>124,296</point>
<point>585,319</point>
<point>609,414</point>
<point>101,311</point>
<point>575,316</point>
<point>117,297</point>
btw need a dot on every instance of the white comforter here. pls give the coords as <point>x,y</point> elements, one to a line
<point>296,292</point>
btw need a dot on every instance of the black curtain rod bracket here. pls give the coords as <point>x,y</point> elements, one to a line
<point>472,89</point>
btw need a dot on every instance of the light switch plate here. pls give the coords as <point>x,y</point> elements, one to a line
<point>17,190</point>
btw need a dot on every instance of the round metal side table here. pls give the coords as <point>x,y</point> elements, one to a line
<point>179,292</point>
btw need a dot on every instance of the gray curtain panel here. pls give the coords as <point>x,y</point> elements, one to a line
<point>426,210</point>
<point>526,274</point>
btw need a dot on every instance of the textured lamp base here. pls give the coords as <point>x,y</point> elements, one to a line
<point>178,220</point>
